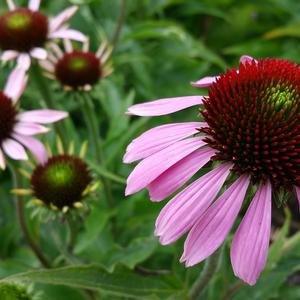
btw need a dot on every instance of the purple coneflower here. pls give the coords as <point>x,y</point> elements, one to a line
<point>18,128</point>
<point>251,137</point>
<point>78,69</point>
<point>24,32</point>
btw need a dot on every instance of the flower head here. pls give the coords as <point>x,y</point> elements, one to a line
<point>78,69</point>
<point>25,31</point>
<point>18,128</point>
<point>251,132</point>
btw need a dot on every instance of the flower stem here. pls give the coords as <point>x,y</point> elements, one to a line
<point>209,270</point>
<point>120,22</point>
<point>22,220</point>
<point>44,90</point>
<point>92,125</point>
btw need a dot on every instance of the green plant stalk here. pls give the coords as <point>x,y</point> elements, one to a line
<point>17,179</point>
<point>207,274</point>
<point>45,92</point>
<point>91,123</point>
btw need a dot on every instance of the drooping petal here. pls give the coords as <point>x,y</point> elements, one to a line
<point>211,229</point>
<point>183,211</point>
<point>24,61</point>
<point>68,34</point>
<point>9,55</point>
<point>159,138</point>
<point>2,160</point>
<point>247,59</point>
<point>16,84</point>
<point>153,166</point>
<point>164,106</point>
<point>176,176</point>
<point>39,53</point>
<point>249,249</point>
<point>29,128</point>
<point>34,146</point>
<point>11,4</point>
<point>205,81</point>
<point>42,116</point>
<point>68,46</point>
<point>34,4</point>
<point>62,18</point>
<point>14,150</point>
<point>47,65</point>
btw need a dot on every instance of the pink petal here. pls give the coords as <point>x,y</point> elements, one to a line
<point>297,189</point>
<point>159,138</point>
<point>14,150</point>
<point>47,66</point>
<point>11,4</point>
<point>39,53</point>
<point>34,4</point>
<point>205,81</point>
<point>68,46</point>
<point>24,61</point>
<point>16,84</point>
<point>247,59</point>
<point>2,160</point>
<point>212,228</point>
<point>153,166</point>
<point>183,211</point>
<point>9,55</point>
<point>42,116</point>
<point>164,106</point>
<point>68,34</point>
<point>176,176</point>
<point>30,128</point>
<point>62,18</point>
<point>249,249</point>
<point>34,146</point>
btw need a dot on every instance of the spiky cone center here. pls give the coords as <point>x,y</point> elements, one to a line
<point>8,115</point>
<point>254,120</point>
<point>61,181</point>
<point>22,30</point>
<point>78,68</point>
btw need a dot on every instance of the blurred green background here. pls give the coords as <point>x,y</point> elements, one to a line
<point>163,46</point>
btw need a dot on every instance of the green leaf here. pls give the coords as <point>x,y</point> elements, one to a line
<point>121,283</point>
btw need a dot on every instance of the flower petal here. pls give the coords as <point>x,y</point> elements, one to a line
<point>246,59</point>
<point>212,228</point>
<point>29,128</point>
<point>16,84</point>
<point>176,176</point>
<point>9,55</point>
<point>62,18</point>
<point>205,81</point>
<point>2,160</point>
<point>249,249</point>
<point>24,61</point>
<point>164,106</point>
<point>11,4</point>
<point>14,150</point>
<point>159,138</point>
<point>34,146</point>
<point>183,211</point>
<point>153,166</point>
<point>34,4</point>
<point>42,116</point>
<point>39,53</point>
<point>297,189</point>
<point>68,34</point>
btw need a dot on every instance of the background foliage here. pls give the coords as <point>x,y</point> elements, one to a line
<point>164,44</point>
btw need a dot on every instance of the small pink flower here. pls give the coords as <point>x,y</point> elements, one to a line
<point>25,31</point>
<point>18,128</point>
<point>251,130</point>
<point>78,69</point>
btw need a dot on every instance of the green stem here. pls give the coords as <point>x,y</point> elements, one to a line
<point>120,22</point>
<point>45,92</point>
<point>92,125</point>
<point>22,221</point>
<point>209,270</point>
